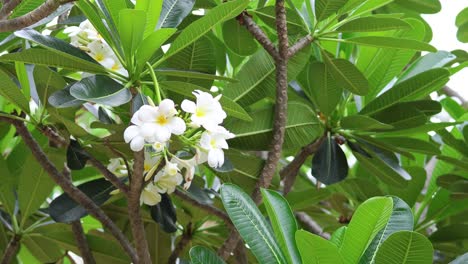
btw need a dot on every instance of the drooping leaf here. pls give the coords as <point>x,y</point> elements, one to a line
<point>76,157</point>
<point>164,213</point>
<point>373,23</point>
<point>329,164</point>
<point>202,255</point>
<point>369,218</point>
<point>173,12</point>
<point>315,249</point>
<point>252,227</point>
<point>238,39</point>
<point>47,82</point>
<point>100,89</point>
<point>405,247</point>
<point>63,99</point>
<point>283,222</point>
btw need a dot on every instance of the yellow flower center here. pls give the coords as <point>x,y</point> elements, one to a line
<point>99,57</point>
<point>147,167</point>
<point>115,67</point>
<point>213,143</point>
<point>200,113</point>
<point>162,120</point>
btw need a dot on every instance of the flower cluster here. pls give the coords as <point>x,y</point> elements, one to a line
<point>197,126</point>
<point>88,39</point>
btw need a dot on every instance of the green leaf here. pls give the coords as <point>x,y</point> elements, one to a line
<point>322,88</point>
<point>401,116</point>
<point>410,193</point>
<point>329,164</point>
<point>325,8</point>
<point>252,227</point>
<point>192,74</point>
<point>238,39</point>
<point>202,255</point>
<point>456,162</point>
<point>450,233</point>
<point>8,186</point>
<point>369,218</point>
<point>346,75</point>
<point>405,247</point>
<point>102,90</point>
<point>412,145</point>
<point>55,59</point>
<point>47,82</point>
<point>132,25</point>
<point>12,93</point>
<point>173,12</point>
<point>201,26</point>
<point>427,62</point>
<point>360,7</point>
<point>372,24</point>
<point>150,45</point>
<point>363,123</point>
<point>302,127</point>
<point>411,89</point>
<point>387,42</point>
<point>462,17</point>
<point>401,219</point>
<point>283,222</point>
<point>63,99</point>
<point>42,249</point>
<point>294,22</point>
<point>64,209</point>
<point>152,10</point>
<point>164,213</point>
<point>76,157</point>
<point>338,235</point>
<point>316,250</point>
<point>421,6</point>
<point>186,89</point>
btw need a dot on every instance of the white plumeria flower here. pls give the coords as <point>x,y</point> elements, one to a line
<point>158,123</point>
<point>214,142</point>
<point>133,135</point>
<point>171,168</point>
<point>101,53</point>
<point>206,112</point>
<point>166,183</point>
<point>150,161</point>
<point>83,34</point>
<point>159,146</point>
<point>150,195</point>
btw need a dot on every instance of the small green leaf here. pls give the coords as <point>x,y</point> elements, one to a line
<point>372,24</point>
<point>329,164</point>
<point>315,249</point>
<point>405,247</point>
<point>102,90</point>
<point>363,123</point>
<point>238,39</point>
<point>12,93</point>
<point>202,255</point>
<point>325,8</point>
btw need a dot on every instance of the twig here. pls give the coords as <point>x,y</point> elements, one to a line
<point>68,187</point>
<point>241,256</point>
<point>225,250</point>
<point>11,250</point>
<point>7,7</point>
<point>452,93</point>
<point>310,225</point>
<point>78,232</point>
<point>109,175</point>
<point>299,45</point>
<point>57,140</point>
<point>258,34</point>
<point>136,223</point>
<point>183,242</point>
<point>289,173</point>
<point>32,17</point>
<point>206,207</point>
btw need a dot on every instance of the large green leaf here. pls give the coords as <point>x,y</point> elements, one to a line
<point>150,45</point>
<point>329,164</point>
<point>321,88</point>
<point>238,39</point>
<point>200,27</point>
<point>55,59</point>
<point>450,233</point>
<point>411,89</point>
<point>12,92</point>
<point>373,23</point>
<point>302,127</point>
<point>186,89</point>
<point>252,227</point>
<point>294,22</point>
<point>132,25</point>
<point>413,145</point>
<point>173,12</point>
<point>387,42</point>
<point>152,10</point>
<point>283,222</point>
<point>360,7</point>
<point>363,123</point>
<point>346,75</point>
<point>338,235</point>
<point>421,6</point>
<point>202,255</point>
<point>114,7</point>
<point>8,185</point>
<point>369,218</point>
<point>316,250</point>
<point>47,82</point>
<point>401,219</point>
<point>410,193</point>
<point>429,61</point>
<point>102,90</point>
<point>405,247</point>
<point>42,249</point>
<point>325,8</point>
<point>401,116</point>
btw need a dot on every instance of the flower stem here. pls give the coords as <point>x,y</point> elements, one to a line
<point>156,84</point>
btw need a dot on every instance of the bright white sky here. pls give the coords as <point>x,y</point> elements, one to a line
<point>445,38</point>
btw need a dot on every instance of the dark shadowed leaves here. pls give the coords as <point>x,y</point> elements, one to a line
<point>164,213</point>
<point>76,157</point>
<point>329,164</point>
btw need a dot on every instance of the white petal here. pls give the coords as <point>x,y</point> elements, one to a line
<point>188,106</point>
<point>137,143</point>
<point>216,158</point>
<point>148,130</point>
<point>163,134</point>
<point>205,140</point>
<point>166,106</point>
<point>177,125</point>
<point>150,198</point>
<point>130,133</point>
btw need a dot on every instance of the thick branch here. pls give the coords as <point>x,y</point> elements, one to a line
<point>109,175</point>
<point>452,93</point>
<point>259,35</point>
<point>241,255</point>
<point>8,7</point>
<point>289,173</point>
<point>310,225</point>
<point>32,17</point>
<point>82,243</point>
<point>183,242</point>
<point>11,250</point>
<point>206,207</point>
<point>68,187</point>
<point>299,45</point>
<point>136,223</point>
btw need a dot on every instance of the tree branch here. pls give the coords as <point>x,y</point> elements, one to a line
<point>258,34</point>
<point>11,250</point>
<point>109,175</point>
<point>68,187</point>
<point>310,225</point>
<point>206,207</point>
<point>82,243</point>
<point>452,93</point>
<point>136,223</point>
<point>299,45</point>
<point>7,7</point>
<point>32,17</point>
<point>183,242</point>
<point>289,173</point>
